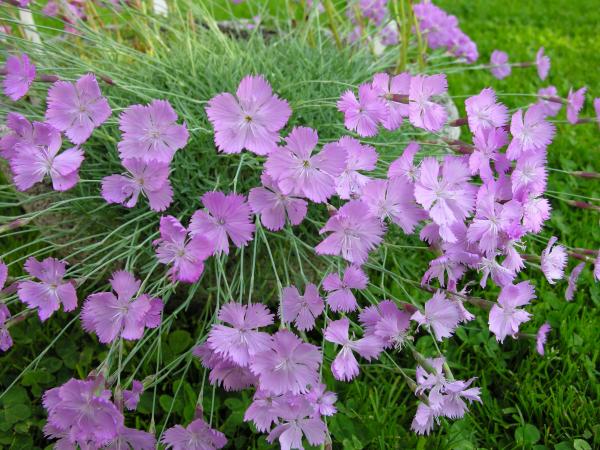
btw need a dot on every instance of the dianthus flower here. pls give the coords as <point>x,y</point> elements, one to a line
<point>227,216</point>
<point>77,108</point>
<point>274,206</point>
<point>536,211</point>
<point>240,339</point>
<point>551,108</point>
<point>541,337</point>
<point>340,296</point>
<point>297,421</point>
<point>530,132</point>
<point>404,166</point>
<point>262,411</point>
<point>111,316</point>
<point>23,132</point>
<point>542,63</point>
<point>553,261</point>
<point>51,291</point>
<point>301,309</point>
<point>487,224</point>
<point>299,172</point>
<point>6,341</point>
<point>290,365</point>
<point>529,175</point>
<point>345,366</point>
<point>423,112</point>
<point>440,314</point>
<point>386,322</point>
<point>500,66</point>
<point>251,121</point>
<point>131,397</point>
<point>365,114</point>
<point>187,255</point>
<point>597,109</point>
<point>321,400</point>
<point>151,132</point>
<point>20,73</point>
<point>387,87</point>
<point>198,435</point>
<point>350,182</point>
<point>223,371</point>
<point>487,142</point>
<point>505,316</point>
<point>354,233</point>
<point>132,438</point>
<point>149,178</point>
<point>575,102</point>
<point>483,112</point>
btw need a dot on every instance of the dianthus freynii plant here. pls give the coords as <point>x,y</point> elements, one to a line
<point>296,193</point>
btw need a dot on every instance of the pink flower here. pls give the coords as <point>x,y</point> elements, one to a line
<point>251,121</point>
<point>500,66</point>
<point>529,175</point>
<point>536,211</point>
<point>77,108</point>
<point>575,102</point>
<point>404,166</point>
<point>198,435</point>
<point>354,233</point>
<point>149,178</point>
<point>290,365</point>
<point>322,401</point>
<point>51,291</point>
<point>131,397</point>
<point>487,143</point>
<point>441,315</point>
<point>424,113</point>
<point>274,206</point>
<point>350,182</point>
<point>340,296</point>
<point>393,199</point>
<point>551,108</point>
<point>6,341</point>
<point>453,406</point>
<point>597,109</point>
<point>223,371</point>
<point>187,255</point>
<point>301,309</point>
<point>505,317</point>
<point>263,410</point>
<point>448,196</point>
<point>541,337</point>
<point>345,366</point>
<point>298,172</point>
<point>553,261</point>
<point>500,274</point>
<point>33,161</point>
<point>386,322</point>
<point>363,115</point>
<point>597,267</point>
<point>132,438</point>
<point>297,422</point>
<point>226,217</point>
<point>150,132</point>
<point>386,87</point>
<point>542,63</point>
<point>530,133</point>
<point>423,421</point>
<point>20,73</point>
<point>483,112</point>
<point>487,224</point>
<point>123,316</point>
<point>242,340</point>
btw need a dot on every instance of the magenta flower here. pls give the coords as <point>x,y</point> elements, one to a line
<point>505,317</point>
<point>187,255</point>
<point>149,178</point>
<point>551,108</point>
<point>529,175</point>
<point>83,413</point>
<point>132,438</point>
<point>290,365</point>
<point>500,66</point>
<point>536,211</point>
<point>553,261</point>
<point>441,315</point>
<point>198,435</point>
<point>542,63</point>
<point>226,217</point>
<point>487,142</point>
<point>301,309</point>
<point>322,401</point>
<point>77,108</point>
<point>340,296</point>
<point>365,114</point>
<point>530,132</point>
<point>262,411</point>
<point>404,166</point>
<point>23,132</point>
<point>297,421</point>
<point>541,337</point>
<point>354,233</point>
<point>575,102</point>
<point>20,73</point>
<point>487,224</point>
<point>51,291</point>
<point>298,172</point>
<point>386,322</point>
<point>6,341</point>
<point>393,199</point>
<point>572,281</point>
<point>483,112</point>
<point>223,371</point>
<point>386,87</point>
<point>350,182</point>
<point>33,161</point>
<point>124,316</point>
<point>251,121</point>
<point>345,365</point>
<point>151,132</point>
<point>131,397</point>
<point>445,193</point>
<point>240,341</point>
<point>274,206</point>
<point>423,112</point>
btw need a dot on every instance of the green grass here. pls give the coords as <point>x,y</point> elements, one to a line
<point>558,395</point>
